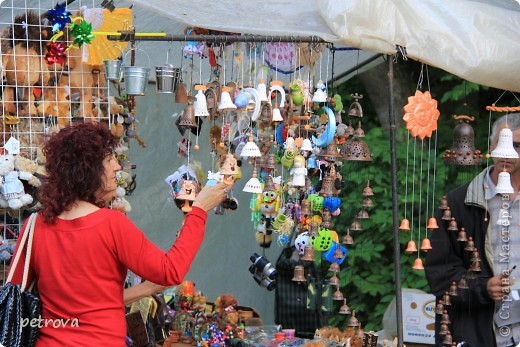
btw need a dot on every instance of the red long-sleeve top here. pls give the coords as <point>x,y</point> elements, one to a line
<point>81,266</point>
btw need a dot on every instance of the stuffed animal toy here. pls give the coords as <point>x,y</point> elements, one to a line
<point>55,103</point>
<point>12,192</point>
<point>27,169</point>
<point>25,66</point>
<point>225,307</point>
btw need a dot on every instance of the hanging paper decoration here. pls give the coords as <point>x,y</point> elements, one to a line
<point>421,114</point>
<point>59,17</point>
<point>56,53</point>
<point>82,33</point>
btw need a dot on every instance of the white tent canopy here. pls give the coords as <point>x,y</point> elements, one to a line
<point>473,39</point>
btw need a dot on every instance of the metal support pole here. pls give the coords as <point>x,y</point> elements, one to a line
<point>133,36</point>
<point>395,210</point>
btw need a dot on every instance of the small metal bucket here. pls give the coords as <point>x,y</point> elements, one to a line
<point>113,69</point>
<point>136,78</point>
<point>167,78</point>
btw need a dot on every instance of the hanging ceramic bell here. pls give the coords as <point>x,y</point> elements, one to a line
<point>446,215</point>
<point>181,95</point>
<point>504,148</point>
<point>261,161</point>
<point>359,132</point>
<point>337,295</point>
<point>411,247</point>
<point>504,183</point>
<point>253,185</point>
<point>443,330</point>
<point>348,240</point>
<point>417,264</point>
<point>463,284</point>
<point>446,300</point>
<point>447,339</point>
<point>363,214</point>
<point>353,321</point>
<point>462,151</point>
<point>277,115</point>
<point>439,308</point>
<point>444,203</point>
<point>355,149</point>
<point>187,119</point>
<point>432,223</point>
<point>261,88</point>
<point>453,225</point>
<point>454,291</point>
<point>462,235</point>
<point>308,253</point>
<point>299,274</point>
<point>355,109</point>
<point>475,266</point>
<point>306,145</point>
<point>405,225</point>
<point>226,104</point>
<point>356,226</point>
<point>250,149</point>
<point>331,153</point>
<point>269,183</point>
<point>326,219</point>
<point>344,309</point>
<point>368,191</point>
<point>334,280</point>
<point>470,245</point>
<point>334,267</point>
<point>319,96</point>
<point>327,186</point>
<point>426,245</point>
<point>200,104</point>
<point>367,203</point>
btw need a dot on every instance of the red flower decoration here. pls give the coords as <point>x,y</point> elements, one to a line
<point>421,114</point>
<point>56,53</point>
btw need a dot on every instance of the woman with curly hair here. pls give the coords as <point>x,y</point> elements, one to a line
<point>83,250</point>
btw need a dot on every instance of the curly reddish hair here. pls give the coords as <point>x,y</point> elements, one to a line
<point>74,167</point>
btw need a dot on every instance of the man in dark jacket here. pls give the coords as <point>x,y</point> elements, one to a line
<point>481,308</point>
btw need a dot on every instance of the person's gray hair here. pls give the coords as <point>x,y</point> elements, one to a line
<point>511,119</point>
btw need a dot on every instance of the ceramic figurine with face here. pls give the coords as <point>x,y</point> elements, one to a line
<point>228,168</point>
<point>298,172</point>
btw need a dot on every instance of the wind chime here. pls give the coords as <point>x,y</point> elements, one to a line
<point>421,115</point>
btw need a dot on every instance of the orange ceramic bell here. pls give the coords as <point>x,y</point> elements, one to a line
<point>439,308</point>
<point>334,280</point>
<point>426,244</point>
<point>411,247</point>
<point>463,284</point>
<point>353,321</point>
<point>453,225</point>
<point>432,223</point>
<point>308,253</point>
<point>417,264</point>
<point>470,245</point>
<point>447,339</point>
<point>356,226</point>
<point>368,191</point>
<point>405,225</point>
<point>446,299</point>
<point>453,289</point>
<point>334,267</point>
<point>447,214</point>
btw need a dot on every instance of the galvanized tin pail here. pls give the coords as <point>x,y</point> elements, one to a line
<point>167,78</point>
<point>136,79</point>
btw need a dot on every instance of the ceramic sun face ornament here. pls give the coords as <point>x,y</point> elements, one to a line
<point>228,168</point>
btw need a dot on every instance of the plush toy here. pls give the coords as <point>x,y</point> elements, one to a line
<point>225,307</point>
<point>55,103</point>
<point>26,169</point>
<point>11,188</point>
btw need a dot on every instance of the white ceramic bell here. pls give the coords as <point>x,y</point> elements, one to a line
<point>262,91</point>
<point>306,145</point>
<point>250,149</point>
<point>253,185</point>
<point>225,101</point>
<point>319,96</point>
<point>504,183</point>
<point>289,143</point>
<point>200,104</point>
<point>504,148</point>
<point>277,115</point>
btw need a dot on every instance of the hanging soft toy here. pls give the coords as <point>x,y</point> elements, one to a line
<point>12,192</point>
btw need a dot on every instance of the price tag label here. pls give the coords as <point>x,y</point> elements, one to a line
<point>12,146</point>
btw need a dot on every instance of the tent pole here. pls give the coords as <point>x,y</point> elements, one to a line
<point>395,211</point>
<point>136,36</point>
